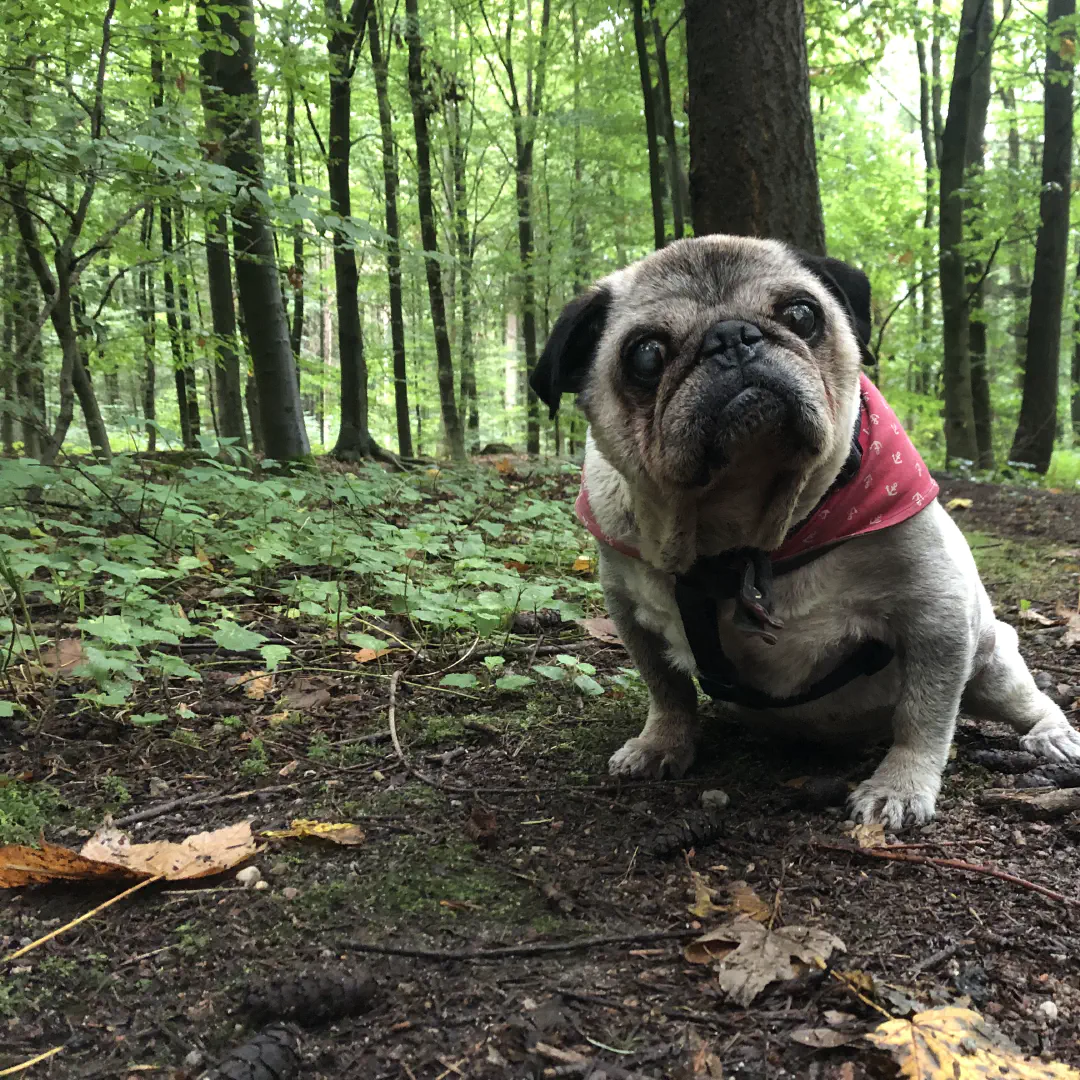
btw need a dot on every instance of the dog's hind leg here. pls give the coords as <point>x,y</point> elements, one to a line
<point>1003,689</point>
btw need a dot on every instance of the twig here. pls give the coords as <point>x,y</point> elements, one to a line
<point>197,801</point>
<point>33,1061</point>
<point>940,956</point>
<point>524,950</point>
<point>952,864</point>
<point>82,918</point>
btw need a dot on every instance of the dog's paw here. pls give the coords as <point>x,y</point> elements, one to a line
<point>901,793</point>
<point>652,758</point>
<point>1053,739</point>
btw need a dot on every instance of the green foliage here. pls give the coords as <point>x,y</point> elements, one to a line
<point>25,810</point>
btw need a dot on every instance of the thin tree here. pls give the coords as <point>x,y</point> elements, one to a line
<point>1018,287</point>
<point>380,64</point>
<point>648,98</point>
<point>929,148</point>
<point>753,165</point>
<point>421,108</point>
<point>234,99</point>
<point>148,315</point>
<point>680,193</point>
<point>1034,441</point>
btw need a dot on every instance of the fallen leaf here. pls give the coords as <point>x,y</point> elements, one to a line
<point>303,696</point>
<point>748,902</point>
<point>365,656</point>
<point>197,856</point>
<point>798,783</point>
<point>823,1038</point>
<point>705,1061</point>
<point>868,836</point>
<point>582,563</point>
<point>513,564</point>
<point>337,832</point>
<point>601,629</point>
<point>1065,553</point>
<point>950,1043</point>
<point>751,957</point>
<point>255,684</point>
<point>1033,616</point>
<point>1071,638</point>
<point>482,827</point>
<point>23,865</point>
<point>289,769</point>
<point>504,466</point>
<point>60,658</point>
<point>959,504</point>
<point>704,906</point>
<point>836,1018</point>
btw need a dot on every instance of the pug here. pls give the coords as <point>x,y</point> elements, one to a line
<point>767,527</point>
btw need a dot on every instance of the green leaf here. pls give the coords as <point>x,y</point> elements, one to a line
<point>273,655</point>
<point>588,685</point>
<point>514,682</point>
<point>236,638</point>
<point>150,719</point>
<point>7,708</point>
<point>366,641</point>
<point>550,671</point>
<point>459,678</point>
<point>492,663</point>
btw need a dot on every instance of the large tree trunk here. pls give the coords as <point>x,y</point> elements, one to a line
<point>455,437</point>
<point>972,50</point>
<point>148,314</point>
<point>393,236</point>
<point>1074,397</point>
<point>234,100</point>
<point>680,192</point>
<point>753,166</point>
<point>1034,441</point>
<point>649,106</point>
<point>974,163</point>
<point>354,439</point>
<point>230,401</point>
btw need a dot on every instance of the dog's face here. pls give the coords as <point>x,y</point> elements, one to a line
<point>718,371</point>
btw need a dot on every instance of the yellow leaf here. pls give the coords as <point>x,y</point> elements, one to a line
<point>255,684</point>
<point>959,504</point>
<point>748,902</point>
<point>703,905</point>
<point>582,563</point>
<point>338,832</point>
<point>204,558</point>
<point>958,1044</point>
<point>868,836</point>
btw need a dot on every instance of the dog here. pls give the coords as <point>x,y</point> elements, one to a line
<point>766,525</point>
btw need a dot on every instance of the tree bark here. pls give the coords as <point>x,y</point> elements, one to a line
<point>753,165</point>
<point>972,51</point>
<point>936,85</point>
<point>380,65</point>
<point>173,323</point>
<point>296,271</point>
<point>680,192</point>
<point>234,99</point>
<point>29,380</point>
<point>1018,287</point>
<point>921,382</point>
<point>148,314</point>
<point>1034,441</point>
<point>7,351</point>
<point>1074,395</point>
<point>230,401</point>
<point>649,107</point>
<point>455,437</point>
<point>186,338</point>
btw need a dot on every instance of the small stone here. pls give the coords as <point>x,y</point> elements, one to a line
<point>715,799</point>
<point>262,886</point>
<point>1048,1011</point>
<point>290,893</point>
<point>157,787</point>
<point>193,1060</point>
<point>248,876</point>
<point>1018,838</point>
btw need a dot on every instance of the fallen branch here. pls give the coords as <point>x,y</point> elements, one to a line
<point>1036,803</point>
<point>188,802</point>
<point>951,864</point>
<point>539,949</point>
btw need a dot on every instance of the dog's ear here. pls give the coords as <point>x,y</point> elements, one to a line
<point>849,285</point>
<point>570,347</point>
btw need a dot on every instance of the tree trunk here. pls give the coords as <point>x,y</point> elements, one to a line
<point>296,271</point>
<point>1034,441</point>
<point>173,324</point>
<point>455,437</point>
<point>649,105</point>
<point>230,402</point>
<point>148,313</point>
<point>7,352</point>
<point>974,164</point>
<point>393,242</point>
<point>921,382</point>
<point>234,99</point>
<point>936,85</point>
<point>1018,287</point>
<point>972,51</point>
<point>680,192</point>
<point>186,338</point>
<point>29,382</point>
<point>1074,395</point>
<point>753,165</point>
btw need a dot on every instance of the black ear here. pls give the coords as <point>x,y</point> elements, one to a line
<point>570,347</point>
<point>849,285</point>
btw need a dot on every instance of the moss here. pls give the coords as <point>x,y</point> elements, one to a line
<point>26,810</point>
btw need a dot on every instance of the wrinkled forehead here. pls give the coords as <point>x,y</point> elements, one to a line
<point>693,280</point>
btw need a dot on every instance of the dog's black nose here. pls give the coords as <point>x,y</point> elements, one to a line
<point>732,343</point>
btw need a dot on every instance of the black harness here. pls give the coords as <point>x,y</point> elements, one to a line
<point>746,575</point>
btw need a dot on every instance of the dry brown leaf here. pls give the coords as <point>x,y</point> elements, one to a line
<point>705,1061</point>
<point>513,564</point>
<point>337,832</point>
<point>255,684</point>
<point>1065,553</point>
<point>602,629</point>
<point>950,1043</point>
<point>196,856</point>
<point>60,658</point>
<point>302,696</point>
<point>798,783</point>
<point>482,827</point>
<point>1033,616</point>
<point>959,504</point>
<point>582,563</point>
<point>751,957</point>
<point>23,865</point>
<point>747,902</point>
<point>365,656</point>
<point>823,1038</point>
<point>1071,638</point>
<point>868,836</point>
<point>504,466</point>
<point>703,906</point>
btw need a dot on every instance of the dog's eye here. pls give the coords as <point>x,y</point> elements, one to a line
<point>645,362</point>
<point>801,319</point>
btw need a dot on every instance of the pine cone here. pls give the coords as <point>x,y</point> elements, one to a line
<point>273,1054</point>
<point>311,998</point>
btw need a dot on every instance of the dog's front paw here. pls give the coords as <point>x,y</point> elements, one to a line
<point>652,757</point>
<point>902,792</point>
<point>1053,739</point>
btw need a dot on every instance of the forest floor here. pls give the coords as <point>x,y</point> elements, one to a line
<point>502,829</point>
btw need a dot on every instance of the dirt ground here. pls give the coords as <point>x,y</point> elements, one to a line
<point>517,838</point>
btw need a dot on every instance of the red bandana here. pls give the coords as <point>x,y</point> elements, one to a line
<point>892,484</point>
